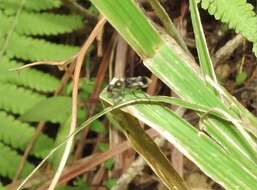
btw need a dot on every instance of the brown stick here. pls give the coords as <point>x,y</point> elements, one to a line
<point>79,63</point>
<point>41,125</point>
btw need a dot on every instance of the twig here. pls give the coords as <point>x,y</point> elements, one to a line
<point>80,166</point>
<point>135,168</point>
<point>86,164</point>
<point>41,125</point>
<point>120,58</point>
<point>225,51</point>
<point>60,64</point>
<point>78,66</point>
<point>91,103</point>
<point>119,73</point>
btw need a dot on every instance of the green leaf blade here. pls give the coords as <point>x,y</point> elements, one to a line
<point>55,109</point>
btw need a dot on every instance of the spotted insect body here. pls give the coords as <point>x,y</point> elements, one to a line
<point>117,87</point>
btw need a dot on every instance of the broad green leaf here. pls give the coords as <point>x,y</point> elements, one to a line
<point>54,109</point>
<point>196,145</point>
<point>178,71</point>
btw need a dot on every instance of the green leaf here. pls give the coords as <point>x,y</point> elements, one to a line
<point>31,5</point>
<point>13,131</point>
<point>31,78</point>
<point>9,162</point>
<point>238,14</point>
<point>86,88</point>
<point>240,78</point>
<point>97,127</point>
<point>17,100</point>
<point>201,44</point>
<point>103,147</point>
<point>81,115</point>
<point>2,187</point>
<point>108,164</point>
<point>21,47</point>
<point>110,183</point>
<point>80,183</point>
<point>195,145</point>
<point>46,23</point>
<point>55,109</point>
<point>178,71</point>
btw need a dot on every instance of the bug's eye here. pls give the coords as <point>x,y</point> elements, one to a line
<point>118,84</point>
<point>144,80</point>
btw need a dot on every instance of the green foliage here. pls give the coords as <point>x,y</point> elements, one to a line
<point>29,78</point>
<point>55,109</point>
<point>30,5</point>
<point>238,14</point>
<point>103,147</point>
<point>9,161</point>
<point>240,78</point>
<point>97,127</point>
<point>35,23</point>
<point>13,131</point>
<point>108,164</point>
<point>30,23</point>
<point>1,187</point>
<point>78,184</point>
<point>46,23</point>
<point>16,99</point>
<point>25,37</point>
<point>33,49</point>
<point>110,183</point>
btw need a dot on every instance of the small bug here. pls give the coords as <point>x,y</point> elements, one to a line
<point>117,87</point>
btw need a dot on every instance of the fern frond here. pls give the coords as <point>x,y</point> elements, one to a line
<point>5,24</point>
<point>31,5</point>
<point>31,78</point>
<point>47,23</point>
<point>18,135</point>
<point>42,23</point>
<point>238,14</point>
<point>17,100</point>
<point>9,161</point>
<point>37,50</point>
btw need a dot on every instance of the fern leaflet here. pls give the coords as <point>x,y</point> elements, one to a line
<point>42,23</point>
<point>9,161</point>
<point>238,14</point>
<point>17,100</point>
<point>10,133</point>
<point>28,48</point>
<point>31,5</point>
<point>30,78</point>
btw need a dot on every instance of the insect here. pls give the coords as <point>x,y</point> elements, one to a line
<point>117,87</point>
